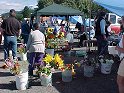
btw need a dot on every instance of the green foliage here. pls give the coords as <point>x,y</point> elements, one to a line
<point>44,70</point>
<point>86,6</point>
<point>44,3</point>
<point>26,12</point>
<point>19,17</point>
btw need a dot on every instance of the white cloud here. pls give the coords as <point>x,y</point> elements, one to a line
<point>6,5</point>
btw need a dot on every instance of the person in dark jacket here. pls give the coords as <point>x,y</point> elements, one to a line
<point>11,29</point>
<point>25,31</point>
<point>100,34</point>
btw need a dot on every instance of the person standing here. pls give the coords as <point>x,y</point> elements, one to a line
<point>100,34</point>
<point>11,30</point>
<point>25,31</point>
<point>35,47</point>
<point>120,49</point>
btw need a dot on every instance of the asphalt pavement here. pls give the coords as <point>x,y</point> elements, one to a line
<point>99,83</point>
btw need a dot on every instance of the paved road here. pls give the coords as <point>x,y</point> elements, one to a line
<point>98,84</point>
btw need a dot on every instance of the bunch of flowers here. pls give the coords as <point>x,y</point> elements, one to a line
<point>22,49</point>
<point>61,35</point>
<point>87,60</point>
<point>50,39</point>
<point>16,67</point>
<point>54,61</point>
<point>106,59</point>
<point>53,39</point>
<point>44,70</point>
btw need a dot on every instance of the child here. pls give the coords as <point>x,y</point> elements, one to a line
<point>35,47</point>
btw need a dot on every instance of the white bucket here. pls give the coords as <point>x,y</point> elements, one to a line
<point>50,51</point>
<point>22,81</point>
<point>106,68</point>
<point>88,71</point>
<point>46,80</point>
<point>22,56</point>
<point>67,76</point>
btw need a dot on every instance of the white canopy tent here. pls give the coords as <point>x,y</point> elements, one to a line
<point>115,6</point>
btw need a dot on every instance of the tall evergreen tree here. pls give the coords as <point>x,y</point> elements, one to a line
<point>26,12</point>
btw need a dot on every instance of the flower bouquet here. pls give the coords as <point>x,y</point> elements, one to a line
<point>16,67</point>
<point>20,70</point>
<point>88,65</point>
<point>54,61</point>
<point>67,73</point>
<point>22,49</point>
<point>106,64</point>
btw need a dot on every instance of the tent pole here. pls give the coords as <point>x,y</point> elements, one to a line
<point>89,25</point>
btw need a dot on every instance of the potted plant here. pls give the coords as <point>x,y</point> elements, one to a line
<point>50,41</point>
<point>67,73</point>
<point>50,63</point>
<point>106,64</point>
<point>20,70</point>
<point>45,75</point>
<point>88,65</point>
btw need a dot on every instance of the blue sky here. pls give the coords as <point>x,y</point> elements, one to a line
<point>6,5</point>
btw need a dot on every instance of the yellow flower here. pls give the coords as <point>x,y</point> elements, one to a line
<point>49,30</point>
<point>58,60</point>
<point>48,58</point>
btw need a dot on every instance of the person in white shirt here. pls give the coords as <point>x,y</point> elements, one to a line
<point>35,47</point>
<point>70,39</point>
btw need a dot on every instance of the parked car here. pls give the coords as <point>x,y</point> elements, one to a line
<point>114,19</point>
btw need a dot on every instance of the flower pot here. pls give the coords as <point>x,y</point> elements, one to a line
<point>46,80</point>
<point>50,51</point>
<point>67,76</point>
<point>106,68</point>
<point>22,81</point>
<point>88,71</point>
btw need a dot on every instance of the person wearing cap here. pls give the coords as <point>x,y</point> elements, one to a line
<point>100,34</point>
<point>11,30</point>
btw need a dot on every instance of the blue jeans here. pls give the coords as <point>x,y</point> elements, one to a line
<point>102,45</point>
<point>10,42</point>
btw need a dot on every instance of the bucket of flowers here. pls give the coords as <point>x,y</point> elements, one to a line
<point>88,63</point>
<point>51,42</point>
<point>67,73</point>
<point>45,75</point>
<point>22,52</point>
<point>20,70</point>
<point>106,64</point>
<point>51,63</point>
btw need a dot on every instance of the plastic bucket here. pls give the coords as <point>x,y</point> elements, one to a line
<point>46,80</point>
<point>22,81</point>
<point>88,71</point>
<point>106,68</point>
<point>67,76</point>
<point>50,51</point>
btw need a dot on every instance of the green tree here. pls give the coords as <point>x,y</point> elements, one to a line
<point>19,17</point>
<point>26,12</point>
<point>86,6</point>
<point>44,3</point>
